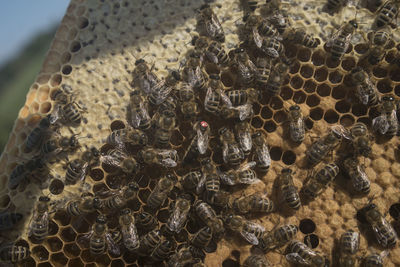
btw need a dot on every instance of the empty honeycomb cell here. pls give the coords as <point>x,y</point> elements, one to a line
<point>276,103</point>
<point>45,108</point>
<point>66,69</point>
<point>176,138</point>
<point>346,120</point>
<point>135,205</point>
<point>321,74</point>
<point>62,218</point>
<point>342,106</point>
<point>40,253</point>
<point>5,201</point>
<point>266,113</point>
<point>304,54</point>
<point>299,97</point>
<point>72,250</point>
<point>227,79</point>
<point>144,194</point>
<point>56,187</point>
<point>270,126</point>
<point>80,225</point>
<point>129,257</point>
<point>117,263</point>
<point>103,260</point>
<point>307,226</point>
<point>286,92</point>
<point>45,264</point>
<point>276,153</point>
<point>306,71</point>
<point>256,122</point>
<point>230,263</point>
<point>54,244</point>
<point>335,77</point>
<point>65,58</point>
<point>113,181</point>
<point>75,46</point>
<point>348,63</point>
<point>318,58</point>
<point>289,157</point>
<point>43,93</point>
<point>384,86</point>
<point>75,263</point>
<point>295,67</point>
<point>395,75</point>
<point>96,174</point>
<point>359,109</point>
<point>312,241</point>
<point>361,48</point>
<point>323,90</point>
<point>312,100</point>
<point>163,215</point>
<point>309,123</point>
<point>296,82</point>
<point>34,108</point>
<point>43,79</point>
<point>380,72</point>
<point>86,256</point>
<point>332,63</point>
<point>182,236</point>
<point>331,116</point>
<point>256,108</point>
<point>316,113</point>
<point>280,116</point>
<point>309,86</point>
<point>22,137</point>
<point>394,211</point>
<point>58,259</point>
<point>68,234</point>
<point>339,92</point>
<point>116,125</point>
<point>397,90</point>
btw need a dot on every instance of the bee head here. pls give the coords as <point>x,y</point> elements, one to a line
<point>215,77</point>
<point>286,170</point>
<point>353,23</point>
<point>133,186</point>
<point>101,219</point>
<point>255,135</point>
<point>139,61</point>
<point>44,199</point>
<point>125,211</point>
<point>294,107</point>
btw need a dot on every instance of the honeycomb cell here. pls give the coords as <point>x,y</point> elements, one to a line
<point>227,79</point>
<point>45,107</point>
<point>312,241</point>
<point>280,116</point>
<point>55,80</point>
<point>304,54</point>
<point>270,126</point>
<point>163,215</point>
<point>348,63</point>
<point>75,263</point>
<point>43,93</point>
<point>296,82</point>
<point>5,201</point>
<point>380,72</point>
<point>361,48</point>
<point>307,226</point>
<point>331,116</point>
<point>61,218</point>
<point>176,138</point>
<point>384,86</point>
<point>144,194</point>
<point>346,120</point>
<point>96,174</point>
<point>103,260</point>
<point>83,23</point>
<point>312,100</point>
<point>343,106</point>
<point>276,103</point>
<point>113,181</point>
<point>339,92</point>
<point>230,263</point>
<point>44,264</point>
<point>56,187</point>
<point>65,58</point>
<point>86,256</point>
<point>117,263</point>
<point>309,86</point>
<point>289,157</point>
<point>359,109</point>
<point>58,259</point>
<point>306,71</point>
<point>75,47</point>
<point>335,77</point>
<point>29,262</point>
<point>72,250</point>
<point>286,92</point>
<point>397,90</point>
<point>316,113</point>
<point>129,257</point>
<point>323,90</point>
<point>182,236</point>
<point>256,122</point>
<point>100,187</point>
<point>299,97</point>
<point>295,68</point>
<point>53,244</point>
<point>276,153</point>
<point>395,75</point>
<point>256,108</point>
<point>309,123</point>
<point>40,253</point>
<point>394,211</point>
<point>212,247</point>
<point>332,63</point>
<point>80,225</point>
<point>318,58</point>
<point>321,74</point>
<point>117,125</point>
<point>68,234</point>
<point>66,69</point>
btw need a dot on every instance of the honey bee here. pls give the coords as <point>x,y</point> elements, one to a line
<point>214,95</point>
<point>386,13</point>
<point>231,152</point>
<point>340,40</point>
<point>146,221</point>
<point>272,47</point>
<point>139,114</point>
<point>254,203</point>
<point>165,124</point>
<point>160,192</point>
<point>263,72</point>
<point>9,219</point>
<point>202,238</point>
<point>252,27</point>
<point>209,25</point>
<point>210,180</point>
<point>243,175</point>
<point>119,159</point>
<point>191,180</point>
<point>241,97</point>
<point>143,77</point>
<point>359,178</point>
<point>256,260</point>
<point>149,242</point>
<point>66,109</point>
<point>78,168</point>
<point>289,190</point>
<point>279,19</point>
<point>384,232</point>
<point>192,73</point>
<point>261,152</point>
<point>386,123</point>
<point>366,91</point>
<point>131,136</point>
<point>320,181</point>
<point>164,157</point>
<point>349,245</point>
<point>22,171</point>
<point>179,215</point>
<point>301,37</point>
<point>181,258</point>
<point>119,198</point>
<point>189,107</point>
<point>169,104</point>
<point>378,42</point>
<point>296,125</point>
<point>37,135</point>
<point>243,133</point>
<point>84,205</point>
<point>277,237</point>
<point>162,251</point>
<point>276,78</point>
<point>375,259</point>
<point>12,253</point>
<point>162,90</point>
<point>323,146</point>
<point>243,67</point>
<point>100,238</point>
<point>250,231</point>
<point>39,225</point>
<point>128,229</point>
<point>59,144</point>
<point>214,51</point>
<point>299,253</point>
<point>207,214</point>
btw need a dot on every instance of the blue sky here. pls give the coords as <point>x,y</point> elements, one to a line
<point>20,20</point>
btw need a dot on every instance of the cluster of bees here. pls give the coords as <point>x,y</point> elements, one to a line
<point>198,94</point>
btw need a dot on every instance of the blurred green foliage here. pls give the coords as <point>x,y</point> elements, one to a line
<point>16,77</point>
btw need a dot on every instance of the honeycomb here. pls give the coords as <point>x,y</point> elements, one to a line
<point>94,52</point>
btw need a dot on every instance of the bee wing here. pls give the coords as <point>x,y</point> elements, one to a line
<point>245,140</point>
<point>340,130</point>
<point>225,99</point>
<point>335,35</point>
<point>202,141</point>
<point>85,238</point>
<point>112,247</point>
<point>177,220</point>
<point>136,117</point>
<point>226,178</point>
<point>248,165</point>
<point>296,258</point>
<point>250,237</point>
<point>161,92</point>
<point>245,111</point>
<point>208,96</point>
<point>212,57</point>
<point>85,169</point>
<point>263,155</point>
<point>129,234</point>
<point>258,40</point>
<point>200,185</point>
<point>271,52</point>
<point>55,114</point>
<point>167,157</point>
<point>169,163</point>
<point>362,95</point>
<point>380,124</point>
<point>110,160</point>
<point>244,70</point>
<point>225,152</point>
<point>44,220</point>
